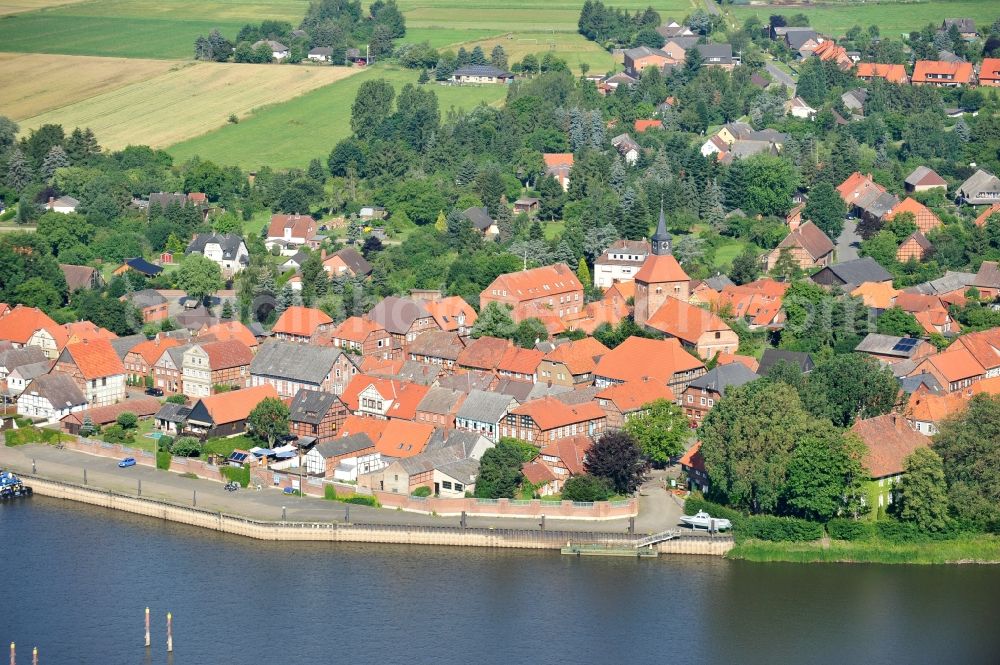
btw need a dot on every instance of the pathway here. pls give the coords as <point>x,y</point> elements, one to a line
<point>780,76</point>
<point>848,242</point>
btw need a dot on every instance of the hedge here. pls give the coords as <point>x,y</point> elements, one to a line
<point>163,458</point>
<point>423,490</point>
<point>767,527</point>
<point>847,529</point>
<point>330,493</point>
<point>239,474</point>
<point>694,503</point>
<point>19,437</point>
<point>360,499</point>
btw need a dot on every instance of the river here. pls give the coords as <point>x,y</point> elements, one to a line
<point>76,579</point>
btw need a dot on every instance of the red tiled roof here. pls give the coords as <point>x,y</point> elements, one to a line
<point>579,356</point>
<point>405,396</point>
<point>446,312</point>
<point>683,321</point>
<point>855,185</point>
<point>95,359</point>
<point>549,413</point>
<point>571,451</point>
<point>659,268</point>
<point>302,226</point>
<point>638,357</point>
<point>78,331</point>
<point>236,405</point>
<point>984,347</point>
<point>520,361</point>
<point>537,473</point>
<point>590,318</point>
<point>810,238</point>
<point>225,331</point>
<point>726,358</point>
<point>985,215</point>
<point>300,321</point>
<point>102,415</point>
<point>622,290</point>
<point>224,355</point>
<point>355,329</point>
<point>484,353</point>
<point>633,395</point>
<point>558,158</point>
<point>959,72</point>
<point>989,70</point>
<point>891,73</point>
<point>889,440</point>
<point>403,439</point>
<point>373,427</point>
<point>925,218</point>
<point>547,281</point>
<point>22,322</point>
<point>693,459</point>
<point>152,349</point>
<point>643,125</point>
<point>956,364</point>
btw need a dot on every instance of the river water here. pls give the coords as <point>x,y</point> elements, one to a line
<point>76,580</point>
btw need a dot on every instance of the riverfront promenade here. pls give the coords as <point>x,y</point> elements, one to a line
<point>658,510</point>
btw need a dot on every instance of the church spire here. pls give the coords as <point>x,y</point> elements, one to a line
<point>662,237</point>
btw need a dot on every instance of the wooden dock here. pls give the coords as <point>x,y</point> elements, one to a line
<point>647,552</point>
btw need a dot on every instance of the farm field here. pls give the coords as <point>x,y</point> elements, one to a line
<point>188,100</point>
<point>290,134</point>
<point>38,82</point>
<point>892,18</point>
<point>19,6</point>
<point>571,47</point>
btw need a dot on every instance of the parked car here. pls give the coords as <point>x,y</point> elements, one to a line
<point>127,462</point>
<point>155,392</point>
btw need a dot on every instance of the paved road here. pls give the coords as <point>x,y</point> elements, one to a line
<point>712,8</point>
<point>779,76</point>
<point>848,242</point>
<point>658,509</point>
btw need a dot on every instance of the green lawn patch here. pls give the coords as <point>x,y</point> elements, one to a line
<point>963,549</point>
<point>224,447</point>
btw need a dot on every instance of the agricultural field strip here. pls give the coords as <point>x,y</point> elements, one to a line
<point>21,6</point>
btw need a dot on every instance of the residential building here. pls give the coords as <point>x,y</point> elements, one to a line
<point>81,277</point>
<point>545,420</point>
<point>347,261</point>
<point>317,415</point>
<point>620,262</point>
<point>227,250</point>
<point>21,375</point>
<point>916,247</point>
<point>798,108</point>
<point>440,406</point>
<point>226,414</point>
<point>637,59</point>
<point>30,326</point>
<point>988,280</point>
<point>966,27</point>
<point>554,289</point>
<point>482,222</point>
<point>627,148</point>
<point>891,349</point>
<point>139,361</point>
<point>558,165</point>
<point>167,370</point>
<point>343,457</point>
<point>984,347</point>
<point>989,72</point>
<point>830,51</point>
<point>867,71</point>
<point>693,465</point>
<point>672,28</point>
<point>664,361</point>
<point>622,401</point>
<point>771,357</point>
<point>704,392</point>
<point>452,314</point>
<point>96,369</point>
<point>519,364</point>
<point>481,74</point>
<point>941,74</point>
<point>981,188</point>
<point>51,397</point>
<point>986,214</point>
<point>321,54</point>
<point>890,440</point>
<point>850,274</point>
<point>807,246</point>
<point>301,324</point>
<point>228,330</point>
<point>571,364</point>
<point>171,418</point>
<point>717,55</point>
<point>403,318</point>
<point>151,305</point>
<point>854,100</point>
<point>924,217</point>
<point>364,337</point>
<point>924,179</point>
<point>291,230</point>
<point>293,367</point>
<point>697,329</point>
<point>660,277</point>
<point>954,369</point>
<point>102,416</point>
<point>63,204</point>
<point>483,354</point>
<point>374,397</point>
<point>484,412</point>
<point>642,126</point>
<point>209,366</point>
<point>278,50</point>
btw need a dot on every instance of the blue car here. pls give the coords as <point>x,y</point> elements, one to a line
<point>128,461</point>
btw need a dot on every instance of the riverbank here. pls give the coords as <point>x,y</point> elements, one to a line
<point>982,549</point>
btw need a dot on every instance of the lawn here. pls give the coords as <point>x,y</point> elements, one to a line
<point>727,251</point>
<point>186,101</point>
<point>571,47</point>
<point>290,134</point>
<point>19,6</point>
<point>892,17</point>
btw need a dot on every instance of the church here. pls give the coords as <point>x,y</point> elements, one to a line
<point>660,276</point>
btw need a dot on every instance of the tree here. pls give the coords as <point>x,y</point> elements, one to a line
<point>583,274</point>
<point>882,247</point>
<point>529,332</point>
<point>227,309</point>
<point>199,276</point>
<point>617,458</point>
<point>746,267</point>
<point>19,171</point>
<point>37,292</point>
<point>923,494</point>
<point>500,470</point>
<point>826,209</point>
<point>498,57</point>
<point>662,431</point>
<point>825,473</point>
<point>760,184</point>
<point>969,446</point>
<point>586,488</point>
<point>55,159</point>
<point>494,321</point>
<point>268,421</point>
<point>747,440</point>
<point>372,105</point>
<point>127,419</point>
<point>851,386</point>
<point>899,323</point>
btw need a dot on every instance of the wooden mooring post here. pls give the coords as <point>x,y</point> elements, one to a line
<point>147,628</point>
<point>13,654</point>
<point>34,656</point>
<point>170,632</point>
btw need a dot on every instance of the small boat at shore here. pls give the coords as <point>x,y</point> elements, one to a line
<point>11,487</point>
<point>702,520</point>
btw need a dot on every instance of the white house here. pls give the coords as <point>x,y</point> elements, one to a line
<point>797,108</point>
<point>227,250</point>
<point>51,396</point>
<point>20,377</point>
<point>64,204</point>
<point>483,412</point>
<point>627,148</point>
<point>321,54</point>
<point>278,50</point>
<point>620,262</point>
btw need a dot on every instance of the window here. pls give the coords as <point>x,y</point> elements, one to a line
<point>690,399</point>
<point>459,487</point>
<point>711,402</point>
<point>703,401</point>
<point>446,484</point>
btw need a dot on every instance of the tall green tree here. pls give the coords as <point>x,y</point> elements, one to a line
<point>372,105</point>
<point>500,470</point>
<point>923,493</point>
<point>199,276</point>
<point>851,386</point>
<point>661,430</point>
<point>898,322</point>
<point>268,421</point>
<point>617,458</point>
<point>826,209</point>
<point>494,321</point>
<point>825,473</point>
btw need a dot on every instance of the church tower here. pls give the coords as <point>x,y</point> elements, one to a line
<point>660,276</point>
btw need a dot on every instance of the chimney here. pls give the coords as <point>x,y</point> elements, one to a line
<point>322,254</point>
<point>51,199</point>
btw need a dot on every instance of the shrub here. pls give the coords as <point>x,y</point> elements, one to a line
<point>117,434</point>
<point>361,500</point>
<point>847,529</point>
<point>164,442</point>
<point>767,527</point>
<point>163,460</point>
<point>177,399</point>
<point>586,488</point>
<point>423,490</point>
<point>330,493</point>
<point>24,422</point>
<point>694,503</point>
<point>238,474</point>
<point>894,531</point>
<point>186,446</point>
<point>127,419</point>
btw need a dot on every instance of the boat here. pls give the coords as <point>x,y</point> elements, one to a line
<point>11,487</point>
<point>702,520</point>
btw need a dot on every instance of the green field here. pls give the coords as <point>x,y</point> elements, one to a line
<point>892,17</point>
<point>292,133</point>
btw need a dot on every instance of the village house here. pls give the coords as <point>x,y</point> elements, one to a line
<point>627,148</point>
<point>926,409</point>
<point>403,318</point>
<point>63,204</point>
<point>620,262</point>
<point>278,50</point>
<point>30,326</point>
<point>850,274</point>
<point>483,412</point>
<point>347,261</point>
<point>941,74</point>
<point>637,59</point>
<point>171,418</point>
<point>988,280</point>
<point>554,289</point>
<point>830,51</point>
<point>12,358</point>
<point>697,329</point>
<point>343,457</point>
<point>954,369</point>
<point>316,415</point>
<point>96,369</point>
<point>301,324</point>
<point>889,440</point>
<point>664,361</point>
<point>293,367</point>
<point>571,364</point>
<point>20,376</point>
<point>102,416</point>
<point>139,361</point>
<point>483,354</point>
<point>771,357</point>
<point>981,188</point>
<point>225,414</point>
<point>989,73</point>
<point>966,27</point>
<point>50,397</point>
<point>545,420</point>
<point>623,401</point>
<point>693,465</point>
<point>439,407</point>
<point>565,458</point>
<point>707,390</point>
<point>519,364</point>
<point>916,247</point>
<point>930,311</point>
<point>865,198</point>
<point>716,55</point>
<point>167,370</point>
<point>854,100</point>
<point>290,232</point>
<point>482,222</point>
<point>672,28</point>
<point>81,277</point>
<point>364,337</point>
<point>227,250</point>
<point>211,367</point>
<point>867,71</point>
<point>375,397</point>
<point>321,54</point>
<point>984,347</point>
<point>891,349</point>
<point>452,314</point>
<point>660,277</point>
<point>924,217</point>
<point>481,74</point>
<point>437,347</point>
<point>798,108</point>
<point>559,165</point>
<point>924,179</point>
<point>152,306</point>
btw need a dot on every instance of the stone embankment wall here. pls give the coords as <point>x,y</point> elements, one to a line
<point>367,533</point>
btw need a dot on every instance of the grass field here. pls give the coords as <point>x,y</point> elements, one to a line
<point>19,6</point>
<point>964,549</point>
<point>892,17</point>
<point>38,82</point>
<point>186,101</point>
<point>571,47</point>
<point>290,134</point>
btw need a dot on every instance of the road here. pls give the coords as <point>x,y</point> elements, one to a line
<point>848,242</point>
<point>780,76</point>
<point>712,8</point>
<point>658,509</point>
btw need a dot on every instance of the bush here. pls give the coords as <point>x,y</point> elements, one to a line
<point>164,442</point>
<point>361,500</point>
<point>239,474</point>
<point>694,503</point>
<point>846,529</point>
<point>895,531</point>
<point>127,419</point>
<point>186,446</point>
<point>586,488</point>
<point>330,493</point>
<point>117,434</point>
<point>423,490</point>
<point>767,527</point>
<point>177,399</point>
<point>163,460</point>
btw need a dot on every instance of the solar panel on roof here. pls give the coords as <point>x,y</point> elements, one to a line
<point>905,345</point>
<point>238,457</point>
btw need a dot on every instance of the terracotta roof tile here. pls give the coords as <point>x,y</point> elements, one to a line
<point>550,413</point>
<point>633,395</point>
<point>658,268</point>
<point>925,218</point>
<point>891,73</point>
<point>102,415</point>
<point>484,353</point>
<point>956,365</point>
<point>985,215</point>
<point>78,331</point>
<point>889,440</point>
<point>520,361</point>
<point>403,439</point>
<point>638,357</point>
<point>236,405</point>
<point>225,355</point>
<point>571,451</point>
<point>446,312</point>
<point>95,359</point>
<point>225,331</point>
<point>546,281</point>
<point>558,158</point>
<point>692,458</point>
<point>373,427</point>
<point>725,358</point>
<point>405,396</point>
<point>355,329</point>
<point>686,322</point>
<point>22,322</point>
<point>959,72</point>
<point>537,473</point>
<point>579,356</point>
<point>876,295</point>
<point>300,321</point>
<point>152,349</point>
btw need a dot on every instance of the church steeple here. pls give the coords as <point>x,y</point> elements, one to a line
<point>662,237</point>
